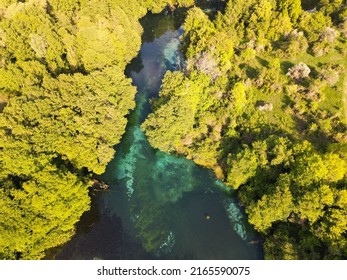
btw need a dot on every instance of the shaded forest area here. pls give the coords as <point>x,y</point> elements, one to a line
<point>262,102</point>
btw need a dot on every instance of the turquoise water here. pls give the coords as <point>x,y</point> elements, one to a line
<point>160,206</point>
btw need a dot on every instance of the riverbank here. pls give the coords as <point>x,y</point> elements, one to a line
<point>157,202</point>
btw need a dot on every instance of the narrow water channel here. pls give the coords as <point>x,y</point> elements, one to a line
<point>160,206</point>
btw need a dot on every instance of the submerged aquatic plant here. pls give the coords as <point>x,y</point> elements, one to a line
<point>224,188</point>
<point>127,164</point>
<point>166,180</point>
<point>167,246</point>
<point>236,217</point>
<point>172,177</point>
<point>172,56</point>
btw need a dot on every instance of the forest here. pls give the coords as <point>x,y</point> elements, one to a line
<point>64,99</point>
<point>261,101</point>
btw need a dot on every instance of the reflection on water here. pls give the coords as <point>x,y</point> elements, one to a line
<point>159,205</point>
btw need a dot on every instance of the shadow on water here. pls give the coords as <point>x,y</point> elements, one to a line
<point>160,206</point>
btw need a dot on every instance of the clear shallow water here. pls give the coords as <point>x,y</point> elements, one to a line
<point>160,206</point>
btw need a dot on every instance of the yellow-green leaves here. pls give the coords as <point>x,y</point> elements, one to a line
<point>63,105</point>
<point>312,204</point>
<point>78,117</point>
<point>171,122</point>
<point>199,30</point>
<point>271,208</point>
<point>41,214</point>
<point>243,166</point>
<point>264,134</point>
<point>30,34</point>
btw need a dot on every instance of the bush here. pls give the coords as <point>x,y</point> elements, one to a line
<point>299,71</point>
<point>206,63</point>
<point>295,43</point>
<point>330,75</point>
<point>329,35</point>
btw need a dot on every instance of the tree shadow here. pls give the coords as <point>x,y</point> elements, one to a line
<point>285,65</point>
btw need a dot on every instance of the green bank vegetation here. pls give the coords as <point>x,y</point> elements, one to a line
<point>261,101</point>
<point>63,105</point>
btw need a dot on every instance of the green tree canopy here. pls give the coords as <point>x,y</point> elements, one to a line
<point>64,99</point>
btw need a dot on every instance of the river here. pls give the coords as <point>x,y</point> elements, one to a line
<point>160,206</point>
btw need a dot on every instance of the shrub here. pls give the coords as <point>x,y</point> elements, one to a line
<point>299,71</point>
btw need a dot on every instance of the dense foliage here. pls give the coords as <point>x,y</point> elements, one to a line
<point>262,102</point>
<point>63,105</point>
